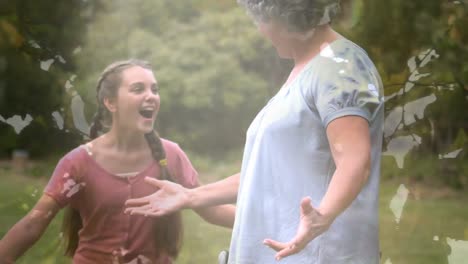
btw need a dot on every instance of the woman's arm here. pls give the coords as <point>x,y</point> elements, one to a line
<point>216,193</point>
<point>349,141</point>
<point>28,230</point>
<point>222,215</point>
<point>172,197</point>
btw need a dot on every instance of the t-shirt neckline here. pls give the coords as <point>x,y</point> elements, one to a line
<point>89,156</point>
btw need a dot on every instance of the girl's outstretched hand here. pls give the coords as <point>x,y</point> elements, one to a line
<point>312,224</point>
<point>170,198</point>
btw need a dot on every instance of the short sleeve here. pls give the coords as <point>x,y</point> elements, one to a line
<point>347,84</point>
<point>180,167</point>
<point>67,179</point>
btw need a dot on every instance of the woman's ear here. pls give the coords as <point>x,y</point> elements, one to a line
<point>110,105</point>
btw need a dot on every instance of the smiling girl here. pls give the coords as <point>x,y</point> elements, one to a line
<point>95,179</point>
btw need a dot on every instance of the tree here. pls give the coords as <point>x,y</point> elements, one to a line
<point>36,54</point>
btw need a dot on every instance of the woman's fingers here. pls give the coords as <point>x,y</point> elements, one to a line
<point>168,198</point>
<point>291,249</point>
<point>275,245</point>
<point>310,226</point>
<point>138,209</point>
<point>146,199</point>
<point>155,182</point>
<point>306,206</point>
<point>283,249</point>
<point>138,201</point>
<point>146,210</point>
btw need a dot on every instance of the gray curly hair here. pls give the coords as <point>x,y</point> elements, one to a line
<point>296,15</point>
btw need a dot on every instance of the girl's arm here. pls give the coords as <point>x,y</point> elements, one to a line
<point>222,215</point>
<point>28,230</point>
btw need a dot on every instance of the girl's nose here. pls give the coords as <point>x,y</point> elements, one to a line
<point>150,95</point>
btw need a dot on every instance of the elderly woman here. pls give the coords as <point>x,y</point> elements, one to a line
<point>308,187</point>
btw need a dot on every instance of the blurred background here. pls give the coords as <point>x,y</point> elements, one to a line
<point>215,72</point>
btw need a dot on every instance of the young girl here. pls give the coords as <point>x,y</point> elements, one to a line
<point>95,179</point>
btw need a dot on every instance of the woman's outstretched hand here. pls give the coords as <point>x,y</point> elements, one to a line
<point>311,225</point>
<point>170,198</point>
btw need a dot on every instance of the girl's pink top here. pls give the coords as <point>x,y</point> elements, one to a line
<point>108,235</point>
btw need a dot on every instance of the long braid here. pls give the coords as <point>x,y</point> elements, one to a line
<point>168,229</point>
<point>72,222</point>
<point>96,126</point>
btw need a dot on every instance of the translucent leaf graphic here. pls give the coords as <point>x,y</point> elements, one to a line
<point>450,155</point>
<point>400,146</point>
<point>34,44</point>
<point>77,50</point>
<point>17,122</point>
<point>416,62</point>
<point>409,111</point>
<point>398,202</point>
<point>58,119</point>
<point>422,59</point>
<point>79,120</point>
<point>416,108</point>
<point>459,251</point>
<point>408,87</point>
<point>45,65</point>
<point>327,52</point>
<point>61,59</point>
<point>415,76</point>
<point>392,121</point>
<point>427,56</point>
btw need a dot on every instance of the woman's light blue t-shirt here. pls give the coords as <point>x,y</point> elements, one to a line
<point>287,157</point>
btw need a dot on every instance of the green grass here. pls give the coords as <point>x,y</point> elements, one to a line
<point>17,196</point>
<point>425,226</point>
<point>421,235</point>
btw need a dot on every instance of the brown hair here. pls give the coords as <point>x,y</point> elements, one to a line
<point>167,229</point>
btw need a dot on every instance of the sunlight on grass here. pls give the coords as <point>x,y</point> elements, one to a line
<point>426,232</point>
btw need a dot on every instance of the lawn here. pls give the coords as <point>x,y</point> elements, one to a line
<point>416,226</point>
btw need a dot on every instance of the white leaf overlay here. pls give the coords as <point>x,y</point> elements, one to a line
<point>459,251</point>
<point>398,202</point>
<point>17,122</point>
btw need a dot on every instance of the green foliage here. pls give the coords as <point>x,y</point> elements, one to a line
<point>216,71</point>
<point>209,89</point>
<point>421,52</point>
<point>35,55</point>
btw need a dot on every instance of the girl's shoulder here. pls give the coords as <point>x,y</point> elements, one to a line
<point>170,147</point>
<point>78,154</point>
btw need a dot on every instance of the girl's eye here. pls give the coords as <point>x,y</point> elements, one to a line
<point>155,89</point>
<point>138,87</point>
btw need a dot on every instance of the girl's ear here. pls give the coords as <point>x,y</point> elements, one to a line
<point>110,104</point>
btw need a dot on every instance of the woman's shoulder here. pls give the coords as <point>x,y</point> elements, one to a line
<point>342,57</point>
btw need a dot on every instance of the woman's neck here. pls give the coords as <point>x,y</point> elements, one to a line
<point>303,50</point>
